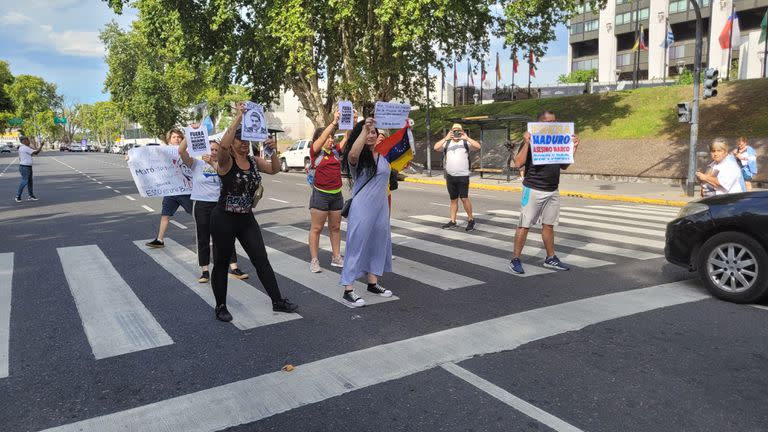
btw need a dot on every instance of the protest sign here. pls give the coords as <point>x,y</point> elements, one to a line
<point>254,124</point>
<point>346,116</point>
<point>158,171</point>
<point>551,143</point>
<point>197,141</point>
<point>390,115</point>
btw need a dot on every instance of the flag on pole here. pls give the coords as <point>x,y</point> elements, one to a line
<point>731,29</point>
<point>482,73</point>
<point>640,42</point>
<point>442,79</point>
<point>455,73</point>
<point>470,78</point>
<point>764,27</point>
<point>531,65</point>
<point>515,63</point>
<point>670,39</point>
<point>397,148</point>
<point>498,68</point>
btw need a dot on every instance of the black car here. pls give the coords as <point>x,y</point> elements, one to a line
<point>725,239</point>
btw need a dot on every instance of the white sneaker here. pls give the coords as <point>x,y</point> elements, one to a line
<point>337,261</point>
<point>314,266</point>
<point>354,299</point>
<point>379,290</point>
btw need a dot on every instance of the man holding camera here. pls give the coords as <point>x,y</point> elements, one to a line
<point>25,167</point>
<point>456,146</point>
<point>540,201</point>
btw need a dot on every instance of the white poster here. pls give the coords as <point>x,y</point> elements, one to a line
<point>389,115</point>
<point>551,143</point>
<point>346,116</point>
<point>254,125</point>
<point>197,141</point>
<point>158,171</point>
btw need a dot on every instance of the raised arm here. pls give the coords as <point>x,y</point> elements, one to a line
<point>271,166</point>
<point>225,155</point>
<point>439,145</point>
<point>357,146</point>
<point>184,154</point>
<point>475,145</point>
<point>328,132</point>
<point>522,155</point>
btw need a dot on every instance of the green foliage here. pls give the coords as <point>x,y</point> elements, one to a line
<point>685,77</point>
<point>35,100</point>
<point>529,25</point>
<point>6,78</point>
<point>579,76</point>
<point>321,50</point>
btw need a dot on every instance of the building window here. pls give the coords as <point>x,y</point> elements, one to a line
<point>676,51</point>
<point>624,59</point>
<point>580,9</point>
<point>577,28</point>
<point>619,2</point>
<point>585,64</point>
<point>627,17</point>
<point>678,6</point>
<point>591,26</point>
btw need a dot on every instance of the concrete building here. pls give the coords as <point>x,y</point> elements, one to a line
<point>604,40</point>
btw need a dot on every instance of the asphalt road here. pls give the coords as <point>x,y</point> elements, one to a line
<point>99,333</point>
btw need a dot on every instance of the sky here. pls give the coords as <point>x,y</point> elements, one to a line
<point>58,41</point>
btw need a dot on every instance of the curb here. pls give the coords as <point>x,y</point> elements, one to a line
<point>572,194</point>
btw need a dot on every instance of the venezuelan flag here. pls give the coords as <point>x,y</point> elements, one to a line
<point>397,148</point>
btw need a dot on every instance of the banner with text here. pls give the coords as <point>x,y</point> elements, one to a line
<point>551,143</point>
<point>197,141</point>
<point>389,115</point>
<point>346,116</point>
<point>158,171</point>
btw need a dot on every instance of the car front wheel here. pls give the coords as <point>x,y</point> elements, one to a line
<point>283,165</point>
<point>734,267</point>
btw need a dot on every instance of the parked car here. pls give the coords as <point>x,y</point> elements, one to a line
<point>297,156</point>
<point>5,149</point>
<point>77,147</point>
<point>63,147</point>
<point>724,238</point>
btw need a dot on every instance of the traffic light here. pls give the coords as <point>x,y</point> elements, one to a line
<point>683,112</point>
<point>710,83</point>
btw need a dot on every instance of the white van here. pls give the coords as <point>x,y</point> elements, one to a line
<point>297,156</point>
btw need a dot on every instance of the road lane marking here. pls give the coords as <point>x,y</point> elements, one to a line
<point>263,396</point>
<point>759,306</point>
<point>178,224</point>
<point>13,162</point>
<point>277,181</point>
<point>671,211</point>
<point>325,283</point>
<point>108,187</point>
<point>147,208</point>
<point>426,274</point>
<point>279,200</point>
<point>638,213</point>
<point>301,184</point>
<point>99,182</point>
<point>115,321</point>
<point>621,214</point>
<point>440,204</point>
<point>590,223</point>
<point>250,307</point>
<point>115,191</point>
<point>508,398</point>
<point>6,281</point>
<point>571,258</point>
<point>130,198</point>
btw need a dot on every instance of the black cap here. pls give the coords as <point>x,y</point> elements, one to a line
<point>23,137</point>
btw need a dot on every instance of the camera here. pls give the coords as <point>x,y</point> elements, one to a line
<point>456,134</point>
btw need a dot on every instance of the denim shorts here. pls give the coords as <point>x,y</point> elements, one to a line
<point>172,203</point>
<point>325,201</point>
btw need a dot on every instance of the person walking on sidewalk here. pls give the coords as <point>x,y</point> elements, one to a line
<point>326,200</point>
<point>456,146</point>
<point>232,218</point>
<point>206,187</point>
<point>369,239</point>
<point>747,159</point>
<point>171,203</point>
<point>723,175</point>
<point>25,168</point>
<point>540,201</point>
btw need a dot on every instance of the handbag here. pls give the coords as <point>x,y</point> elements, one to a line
<point>348,203</point>
<point>393,180</point>
<point>259,192</point>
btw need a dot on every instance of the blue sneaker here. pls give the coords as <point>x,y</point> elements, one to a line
<point>554,263</point>
<point>516,266</point>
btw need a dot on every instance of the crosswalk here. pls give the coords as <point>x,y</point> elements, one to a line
<point>116,322</point>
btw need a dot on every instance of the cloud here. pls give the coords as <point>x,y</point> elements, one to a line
<point>69,42</point>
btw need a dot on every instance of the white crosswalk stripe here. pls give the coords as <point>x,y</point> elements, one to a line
<point>115,320</point>
<point>417,271</point>
<point>324,283</point>
<point>6,279</point>
<point>629,210</point>
<point>591,223</point>
<point>566,214</point>
<point>250,307</point>
<point>615,212</point>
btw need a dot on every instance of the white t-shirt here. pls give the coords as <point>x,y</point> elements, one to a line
<point>206,185</point>
<point>25,155</point>
<point>456,159</point>
<point>729,176</point>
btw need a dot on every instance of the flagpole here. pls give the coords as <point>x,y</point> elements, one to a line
<point>730,41</point>
<point>667,45</point>
<point>636,54</point>
<point>765,55</point>
<point>514,58</point>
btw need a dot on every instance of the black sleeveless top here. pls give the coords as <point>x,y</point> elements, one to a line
<point>238,187</point>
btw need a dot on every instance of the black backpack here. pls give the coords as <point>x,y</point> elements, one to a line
<point>445,155</point>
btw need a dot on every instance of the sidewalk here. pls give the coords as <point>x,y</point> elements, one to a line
<point>631,192</point>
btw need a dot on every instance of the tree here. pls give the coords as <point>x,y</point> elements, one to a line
<point>6,78</point>
<point>101,121</point>
<point>322,50</point>
<point>530,25</point>
<point>579,76</point>
<point>35,101</point>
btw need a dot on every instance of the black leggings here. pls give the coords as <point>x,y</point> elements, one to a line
<point>201,211</point>
<point>225,228</point>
